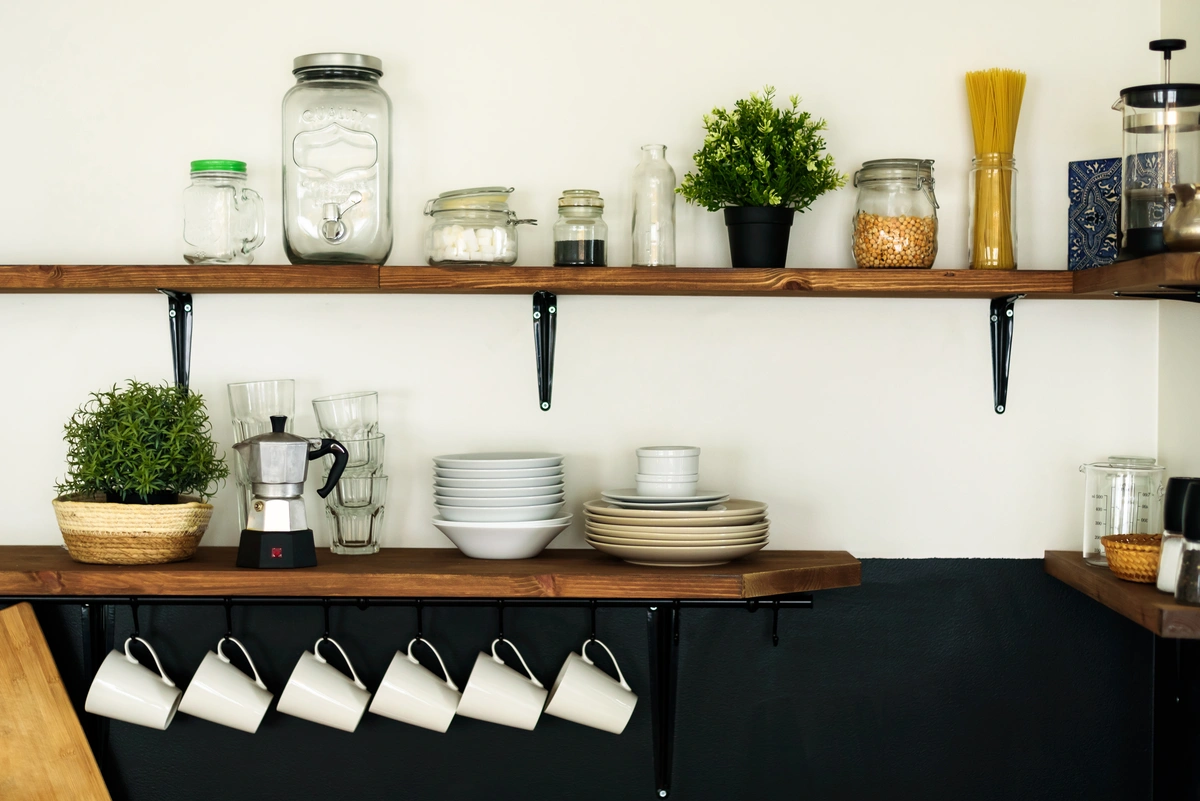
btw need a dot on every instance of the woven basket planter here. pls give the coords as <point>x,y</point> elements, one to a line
<point>1133,557</point>
<point>103,533</point>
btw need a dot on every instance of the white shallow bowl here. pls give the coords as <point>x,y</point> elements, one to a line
<point>502,540</point>
<point>496,503</point>
<point>492,461</point>
<point>667,486</point>
<point>499,483</point>
<point>668,460</point>
<point>497,492</point>
<point>498,472</point>
<point>508,514</point>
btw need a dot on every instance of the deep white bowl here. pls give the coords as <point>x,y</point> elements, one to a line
<point>668,460</point>
<point>502,540</point>
<point>508,514</point>
<point>667,486</point>
<point>498,492</point>
<point>496,503</point>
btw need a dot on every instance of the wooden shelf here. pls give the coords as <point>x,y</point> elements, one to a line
<point>1141,603</point>
<point>1178,271</point>
<point>430,573</point>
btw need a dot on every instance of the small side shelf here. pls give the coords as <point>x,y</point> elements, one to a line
<point>1141,603</point>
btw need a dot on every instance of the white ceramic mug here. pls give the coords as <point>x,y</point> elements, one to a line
<point>585,694</point>
<point>126,690</point>
<point>413,694</point>
<point>319,692</point>
<point>223,694</point>
<point>498,694</point>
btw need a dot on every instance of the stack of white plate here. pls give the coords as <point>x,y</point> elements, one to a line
<point>674,537</point>
<point>499,505</point>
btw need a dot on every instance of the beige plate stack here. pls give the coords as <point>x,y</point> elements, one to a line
<point>678,538</point>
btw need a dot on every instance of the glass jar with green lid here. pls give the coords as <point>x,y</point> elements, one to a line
<point>222,218</point>
<point>580,234</point>
<point>472,226</point>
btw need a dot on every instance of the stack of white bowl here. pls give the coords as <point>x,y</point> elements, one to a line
<point>668,470</point>
<point>499,505</point>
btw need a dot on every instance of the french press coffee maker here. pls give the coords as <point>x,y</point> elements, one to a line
<point>1161,124</point>
<point>277,532</point>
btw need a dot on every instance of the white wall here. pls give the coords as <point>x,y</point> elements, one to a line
<point>1181,20</point>
<point>866,424</point>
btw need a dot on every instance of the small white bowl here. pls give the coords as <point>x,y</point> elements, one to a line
<point>668,460</point>
<point>667,486</point>
<point>507,514</point>
<point>502,540</point>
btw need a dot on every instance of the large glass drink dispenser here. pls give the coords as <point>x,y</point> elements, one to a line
<point>337,161</point>
<point>1162,148</point>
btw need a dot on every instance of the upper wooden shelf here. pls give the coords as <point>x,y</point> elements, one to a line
<point>42,570</point>
<point>1177,271</point>
<point>1141,603</point>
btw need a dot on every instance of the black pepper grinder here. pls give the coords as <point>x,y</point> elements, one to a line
<point>1187,590</point>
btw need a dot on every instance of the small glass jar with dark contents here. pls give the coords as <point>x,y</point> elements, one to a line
<point>580,234</point>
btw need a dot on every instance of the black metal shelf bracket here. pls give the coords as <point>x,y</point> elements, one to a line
<point>1186,295</point>
<point>545,320</point>
<point>1002,335</point>
<point>179,312</point>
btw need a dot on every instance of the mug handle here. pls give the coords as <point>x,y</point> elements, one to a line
<point>253,210</point>
<point>449,681</point>
<point>221,655</point>
<point>620,675</point>
<point>324,661</point>
<point>528,672</point>
<point>162,673</point>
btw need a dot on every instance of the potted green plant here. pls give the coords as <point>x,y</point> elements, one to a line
<point>761,164</point>
<point>141,461</point>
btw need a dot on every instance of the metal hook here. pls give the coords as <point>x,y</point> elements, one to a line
<point>419,602</point>
<point>325,603</point>
<point>593,611</point>
<point>228,617</point>
<point>500,617</point>
<point>364,604</point>
<point>133,607</point>
<point>775,622</point>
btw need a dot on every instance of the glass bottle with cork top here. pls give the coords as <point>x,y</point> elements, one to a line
<point>580,234</point>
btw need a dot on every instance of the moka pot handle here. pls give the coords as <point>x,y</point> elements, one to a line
<point>340,457</point>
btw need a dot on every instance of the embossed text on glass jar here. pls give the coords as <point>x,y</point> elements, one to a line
<point>337,165</point>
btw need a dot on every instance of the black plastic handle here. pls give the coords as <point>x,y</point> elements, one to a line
<point>340,457</point>
<point>1168,46</point>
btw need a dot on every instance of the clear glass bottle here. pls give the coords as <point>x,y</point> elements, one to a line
<point>992,230</point>
<point>895,219</point>
<point>1123,495</point>
<point>223,219</point>
<point>337,162</point>
<point>580,234</point>
<point>472,226</point>
<point>654,209</point>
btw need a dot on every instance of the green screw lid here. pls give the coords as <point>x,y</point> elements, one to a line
<point>221,165</point>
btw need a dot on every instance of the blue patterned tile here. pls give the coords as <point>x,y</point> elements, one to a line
<point>1093,222</point>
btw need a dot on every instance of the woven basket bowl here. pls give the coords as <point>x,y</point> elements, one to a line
<point>1133,557</point>
<point>130,533</point>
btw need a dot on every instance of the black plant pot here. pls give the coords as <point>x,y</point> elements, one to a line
<point>162,496</point>
<point>758,235</point>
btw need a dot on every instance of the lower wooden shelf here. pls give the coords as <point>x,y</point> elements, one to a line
<point>1141,603</point>
<point>47,570</point>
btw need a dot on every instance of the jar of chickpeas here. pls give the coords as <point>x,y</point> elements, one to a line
<point>895,220</point>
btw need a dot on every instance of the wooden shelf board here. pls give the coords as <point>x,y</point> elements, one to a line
<point>190,278</point>
<point>27,570</point>
<point>1141,603</point>
<point>1179,271</point>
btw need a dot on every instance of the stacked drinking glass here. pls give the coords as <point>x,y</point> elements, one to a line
<point>252,404</point>
<point>355,507</point>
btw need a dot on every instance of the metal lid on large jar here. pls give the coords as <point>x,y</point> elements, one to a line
<point>581,197</point>
<point>478,198</point>
<point>353,61</point>
<point>896,170</point>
